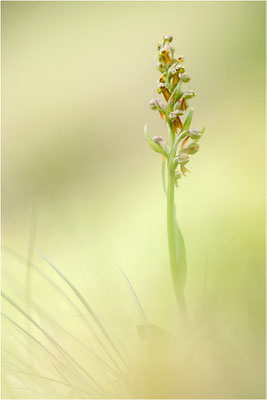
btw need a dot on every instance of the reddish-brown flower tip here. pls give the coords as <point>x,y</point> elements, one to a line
<point>162,89</point>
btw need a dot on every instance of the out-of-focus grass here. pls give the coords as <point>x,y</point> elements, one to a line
<point>75,89</point>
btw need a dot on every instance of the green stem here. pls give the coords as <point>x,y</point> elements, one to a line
<point>176,243</point>
<point>164,175</point>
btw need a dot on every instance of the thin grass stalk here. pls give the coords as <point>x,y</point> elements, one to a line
<point>67,298</point>
<point>97,388</point>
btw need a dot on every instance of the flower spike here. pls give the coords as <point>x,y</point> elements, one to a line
<point>176,153</point>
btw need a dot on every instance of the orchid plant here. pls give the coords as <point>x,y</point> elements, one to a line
<point>176,152</point>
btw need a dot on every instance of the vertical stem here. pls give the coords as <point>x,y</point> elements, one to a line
<point>176,244</point>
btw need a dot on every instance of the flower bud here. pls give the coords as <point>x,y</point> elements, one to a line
<point>168,38</point>
<point>192,148</point>
<point>180,69</point>
<point>157,147</point>
<point>183,158</point>
<point>156,104</point>
<point>195,134</point>
<point>189,94</point>
<point>159,140</point>
<point>180,58</point>
<point>185,78</point>
<point>174,114</point>
<point>162,78</point>
<point>152,104</point>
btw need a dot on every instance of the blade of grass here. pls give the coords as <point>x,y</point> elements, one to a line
<point>32,235</point>
<point>36,376</point>
<point>35,340</point>
<point>57,288</point>
<point>100,361</point>
<point>138,302</point>
<point>14,356</point>
<point>28,279</point>
<point>97,387</point>
<point>86,306</point>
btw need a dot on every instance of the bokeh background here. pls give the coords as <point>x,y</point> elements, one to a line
<point>76,81</point>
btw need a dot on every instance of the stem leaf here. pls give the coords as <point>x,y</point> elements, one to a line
<point>188,120</point>
<point>154,146</point>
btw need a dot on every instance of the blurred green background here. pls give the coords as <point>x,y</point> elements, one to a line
<point>76,81</point>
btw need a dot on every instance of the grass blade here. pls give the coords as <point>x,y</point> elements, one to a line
<point>86,306</point>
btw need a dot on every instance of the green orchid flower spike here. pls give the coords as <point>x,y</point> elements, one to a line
<point>176,153</point>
